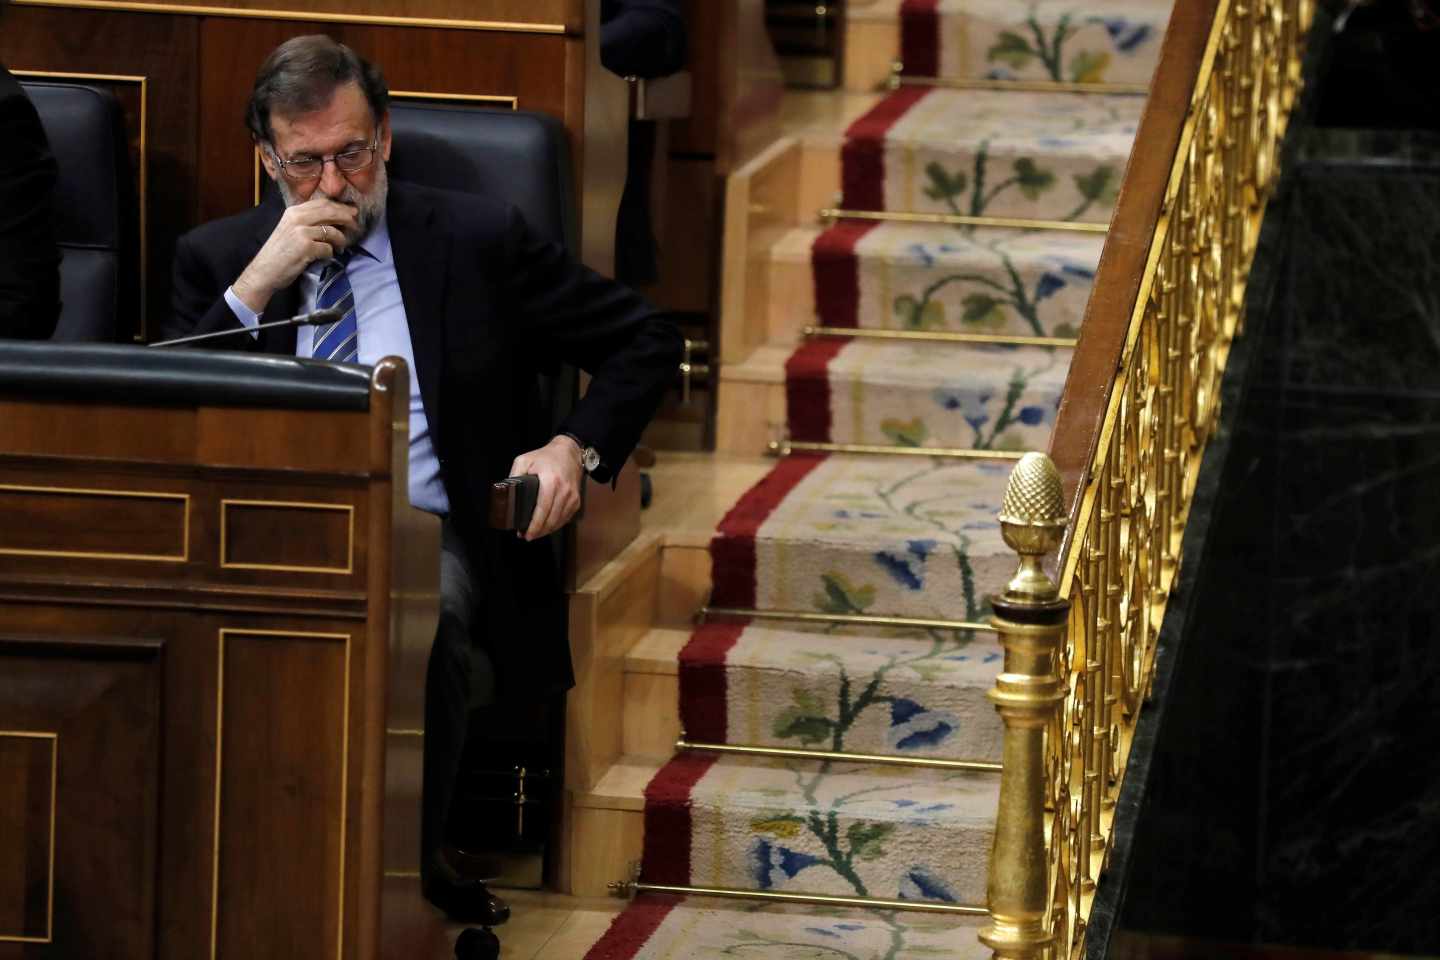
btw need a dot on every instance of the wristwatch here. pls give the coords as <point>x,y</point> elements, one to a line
<point>589,456</point>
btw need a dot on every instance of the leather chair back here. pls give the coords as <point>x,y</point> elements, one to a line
<point>95,208</point>
<point>519,156</point>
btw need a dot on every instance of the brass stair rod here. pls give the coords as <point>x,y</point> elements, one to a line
<point>940,336</point>
<point>858,619</point>
<point>839,756</point>
<point>1030,616</point>
<point>963,220</point>
<point>898,79</point>
<point>784,448</point>
<point>627,887</point>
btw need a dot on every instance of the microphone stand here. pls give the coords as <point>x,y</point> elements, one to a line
<point>312,319</point>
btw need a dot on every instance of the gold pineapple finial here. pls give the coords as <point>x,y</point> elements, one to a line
<point>1032,520</point>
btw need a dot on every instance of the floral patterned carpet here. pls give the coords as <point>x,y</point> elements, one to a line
<point>854,535</point>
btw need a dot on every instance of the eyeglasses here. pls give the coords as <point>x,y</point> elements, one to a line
<point>310,168</point>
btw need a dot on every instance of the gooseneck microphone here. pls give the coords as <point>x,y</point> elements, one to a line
<point>314,318</point>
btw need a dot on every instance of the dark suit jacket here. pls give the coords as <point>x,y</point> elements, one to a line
<point>488,304</point>
<point>29,257</point>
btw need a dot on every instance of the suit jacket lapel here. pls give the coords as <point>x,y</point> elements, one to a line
<point>421,251</point>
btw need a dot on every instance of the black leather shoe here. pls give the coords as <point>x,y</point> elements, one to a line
<point>476,944</point>
<point>463,900</point>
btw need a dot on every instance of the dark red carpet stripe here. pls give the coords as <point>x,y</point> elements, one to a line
<point>862,159</point>
<point>732,550</point>
<point>807,388</point>
<point>920,38</point>
<point>666,858</point>
<point>703,693</point>
<point>637,924</point>
<point>836,272</point>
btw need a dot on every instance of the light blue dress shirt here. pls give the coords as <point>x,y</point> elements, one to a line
<point>384,332</point>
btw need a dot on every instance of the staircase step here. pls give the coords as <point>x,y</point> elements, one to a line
<point>622,786</point>
<point>898,536</point>
<point>657,652</point>
<point>759,823</point>
<point>855,689</point>
<point>894,393</point>
<point>899,276</point>
<point>659,926</point>
<point>651,721</point>
<point>1045,156</point>
<point>1072,41</point>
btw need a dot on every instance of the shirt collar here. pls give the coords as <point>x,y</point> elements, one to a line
<point>376,243</point>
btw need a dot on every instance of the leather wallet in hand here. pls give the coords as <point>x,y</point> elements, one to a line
<point>512,502</point>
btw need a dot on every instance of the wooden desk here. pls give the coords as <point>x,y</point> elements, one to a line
<point>203,611</point>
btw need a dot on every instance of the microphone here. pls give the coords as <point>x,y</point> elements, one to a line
<point>314,318</point>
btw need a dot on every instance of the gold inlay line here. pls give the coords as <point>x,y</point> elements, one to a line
<point>219,768</point>
<point>940,336</point>
<point>143,185</point>
<point>371,19</point>
<point>858,619</point>
<point>54,738</point>
<point>838,756</point>
<point>511,101</point>
<point>963,220</point>
<point>784,448</point>
<point>105,555</point>
<point>819,899</point>
<point>348,509</point>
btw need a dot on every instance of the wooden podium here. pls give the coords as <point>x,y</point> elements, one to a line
<point>211,587</point>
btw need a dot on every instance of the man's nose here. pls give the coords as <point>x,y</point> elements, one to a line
<point>332,183</point>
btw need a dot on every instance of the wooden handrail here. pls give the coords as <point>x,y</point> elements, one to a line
<point>1076,437</point>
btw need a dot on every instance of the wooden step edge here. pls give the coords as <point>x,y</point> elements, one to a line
<point>658,652</point>
<point>622,786</point>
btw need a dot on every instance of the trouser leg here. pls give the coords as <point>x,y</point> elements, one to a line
<point>456,678</point>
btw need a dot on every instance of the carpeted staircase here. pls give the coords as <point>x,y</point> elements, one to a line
<point>850,534</point>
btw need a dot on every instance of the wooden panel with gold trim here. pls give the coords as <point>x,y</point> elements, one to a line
<point>79,795</point>
<point>282,748</point>
<point>497,101</point>
<point>287,536</point>
<point>508,69</point>
<point>29,765</point>
<point>95,524</point>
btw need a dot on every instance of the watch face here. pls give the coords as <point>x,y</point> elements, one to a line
<point>590,459</point>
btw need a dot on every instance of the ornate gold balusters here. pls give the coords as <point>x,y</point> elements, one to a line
<point>1030,618</point>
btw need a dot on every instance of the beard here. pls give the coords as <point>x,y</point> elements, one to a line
<point>369,205</point>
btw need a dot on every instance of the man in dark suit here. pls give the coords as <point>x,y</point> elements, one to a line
<point>461,288</point>
<point>29,256</point>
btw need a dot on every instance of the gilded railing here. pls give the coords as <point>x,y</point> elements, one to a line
<point>1131,496</point>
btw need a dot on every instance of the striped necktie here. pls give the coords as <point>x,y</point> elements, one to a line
<point>338,341</point>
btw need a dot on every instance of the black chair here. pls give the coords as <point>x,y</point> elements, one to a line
<point>96,211</point>
<point>523,158</point>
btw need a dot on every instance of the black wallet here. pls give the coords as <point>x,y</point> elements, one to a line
<point>512,502</point>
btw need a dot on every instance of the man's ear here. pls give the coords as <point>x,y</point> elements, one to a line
<point>267,157</point>
<point>385,137</point>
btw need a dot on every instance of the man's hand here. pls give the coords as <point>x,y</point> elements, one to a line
<point>557,464</point>
<point>309,231</point>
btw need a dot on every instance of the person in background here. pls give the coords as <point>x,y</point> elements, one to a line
<point>643,39</point>
<point>29,255</point>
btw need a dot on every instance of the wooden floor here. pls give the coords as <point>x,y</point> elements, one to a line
<point>542,926</point>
